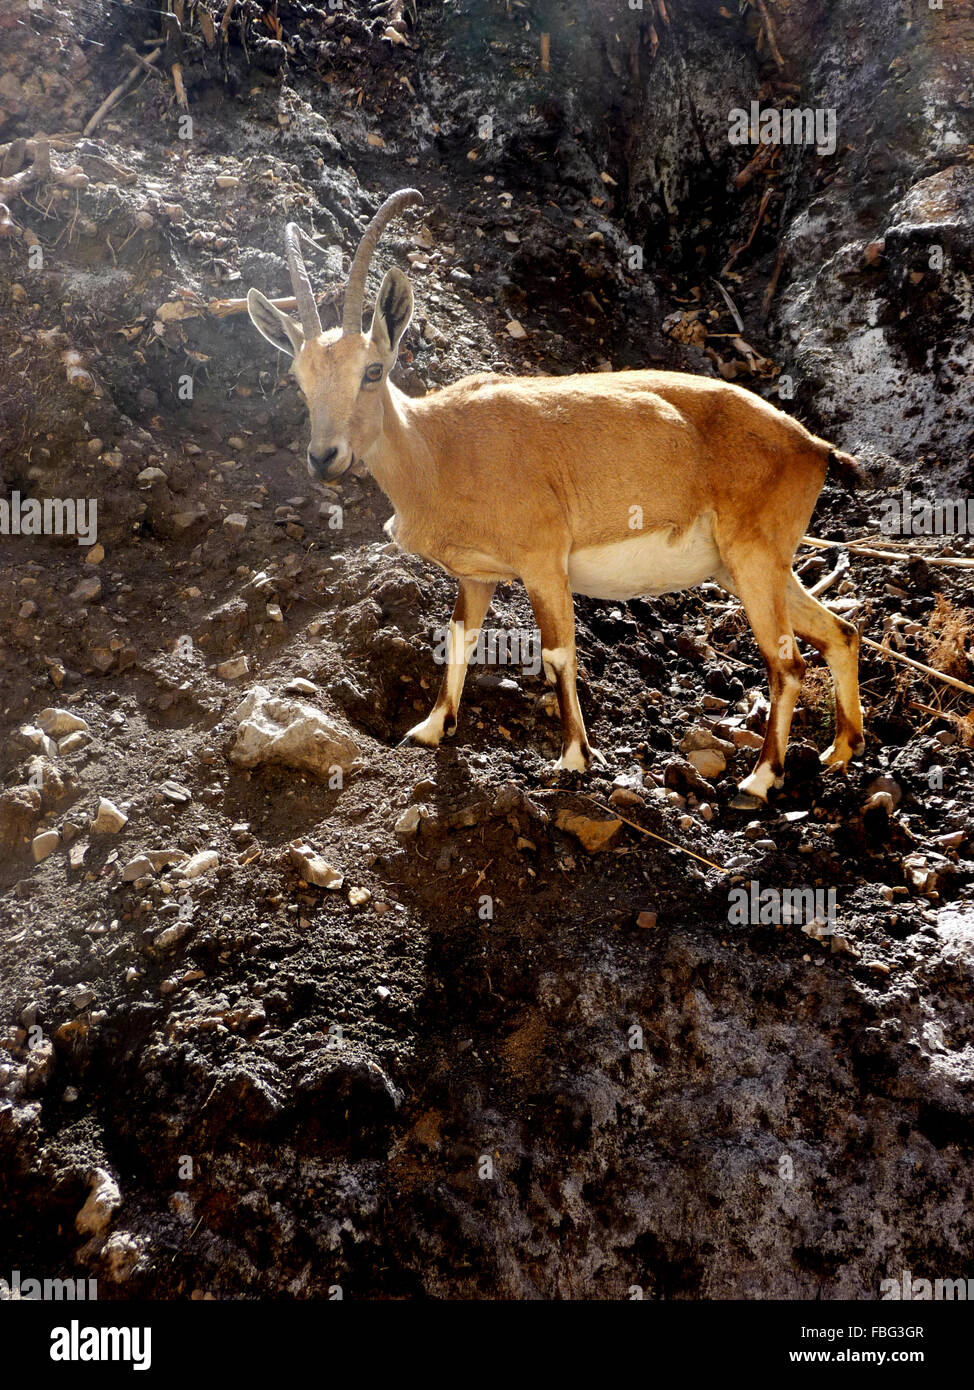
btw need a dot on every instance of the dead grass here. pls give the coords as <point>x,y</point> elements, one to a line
<point>948,639</point>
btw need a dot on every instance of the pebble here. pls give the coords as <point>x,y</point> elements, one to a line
<point>44,844</point>
<point>58,722</point>
<point>233,669</point>
<point>109,820</point>
<point>200,863</point>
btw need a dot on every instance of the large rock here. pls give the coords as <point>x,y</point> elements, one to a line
<point>272,729</point>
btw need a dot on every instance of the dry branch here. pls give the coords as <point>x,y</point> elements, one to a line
<point>918,666</point>
<point>117,94</point>
<point>961,561</point>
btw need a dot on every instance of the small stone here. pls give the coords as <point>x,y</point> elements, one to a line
<point>313,868</point>
<point>709,762</point>
<point>109,820</point>
<point>58,722</point>
<point>300,686</point>
<point>594,834</point>
<point>952,841</point>
<point>744,738</point>
<point>103,1199</point>
<point>44,844</point>
<point>140,867</point>
<point>625,796</point>
<point>87,591</point>
<point>235,524</point>
<point>95,555</point>
<point>201,863</point>
<point>171,936</point>
<point>233,669</point>
<point>358,897</point>
<point>73,743</point>
<point>274,613</point>
<point>382,992</point>
<point>646,920</point>
<point>148,476</point>
<point>172,791</point>
<point>409,822</point>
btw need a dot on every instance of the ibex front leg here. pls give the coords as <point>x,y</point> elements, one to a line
<point>472,603</point>
<point>551,599</point>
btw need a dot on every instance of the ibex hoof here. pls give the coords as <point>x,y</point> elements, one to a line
<point>576,758</point>
<point>841,751</point>
<point>428,734</point>
<point>760,782</point>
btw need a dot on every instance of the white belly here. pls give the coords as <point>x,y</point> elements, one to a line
<point>649,563</point>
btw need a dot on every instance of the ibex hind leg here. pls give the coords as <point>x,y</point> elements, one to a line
<point>838,641</point>
<point>551,599</point>
<point>471,606</point>
<point>761,583</point>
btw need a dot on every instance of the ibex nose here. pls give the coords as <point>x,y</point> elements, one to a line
<point>319,463</point>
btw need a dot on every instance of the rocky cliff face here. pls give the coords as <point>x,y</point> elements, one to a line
<point>445,1024</point>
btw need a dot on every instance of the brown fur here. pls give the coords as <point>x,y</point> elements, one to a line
<point>496,478</point>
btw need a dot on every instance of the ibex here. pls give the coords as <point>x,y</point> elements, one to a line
<point>607,484</point>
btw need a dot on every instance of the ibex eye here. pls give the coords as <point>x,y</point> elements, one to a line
<point>373,372</point>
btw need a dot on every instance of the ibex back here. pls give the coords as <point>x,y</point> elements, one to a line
<point>607,484</point>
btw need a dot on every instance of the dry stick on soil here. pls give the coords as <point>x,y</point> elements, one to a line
<point>772,285</point>
<point>177,82</point>
<point>739,251</point>
<point>833,577</point>
<point>961,561</point>
<point>918,665</point>
<point>662,838</point>
<point>118,93</point>
<point>769,34</point>
<point>40,169</point>
<point>130,52</point>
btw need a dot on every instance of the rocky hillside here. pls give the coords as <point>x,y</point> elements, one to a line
<point>285,1007</point>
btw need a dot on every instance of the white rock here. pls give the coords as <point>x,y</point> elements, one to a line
<point>314,869</point>
<point>290,733</point>
<point>233,669</point>
<point>73,743</point>
<point>103,1199</point>
<point>58,722</point>
<point>121,1255</point>
<point>109,820</point>
<point>709,762</point>
<point>137,868</point>
<point>201,863</point>
<point>44,844</point>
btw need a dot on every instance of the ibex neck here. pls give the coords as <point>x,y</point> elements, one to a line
<point>399,460</point>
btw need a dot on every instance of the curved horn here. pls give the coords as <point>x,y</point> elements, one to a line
<point>355,290</point>
<point>303,293</point>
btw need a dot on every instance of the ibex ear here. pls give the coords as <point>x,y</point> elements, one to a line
<point>276,326</point>
<point>393,310</point>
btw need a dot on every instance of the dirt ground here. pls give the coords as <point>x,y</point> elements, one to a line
<point>424,1079</point>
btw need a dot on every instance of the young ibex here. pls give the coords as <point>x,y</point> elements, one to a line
<point>610,484</point>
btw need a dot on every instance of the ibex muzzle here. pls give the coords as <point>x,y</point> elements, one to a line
<point>609,484</point>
